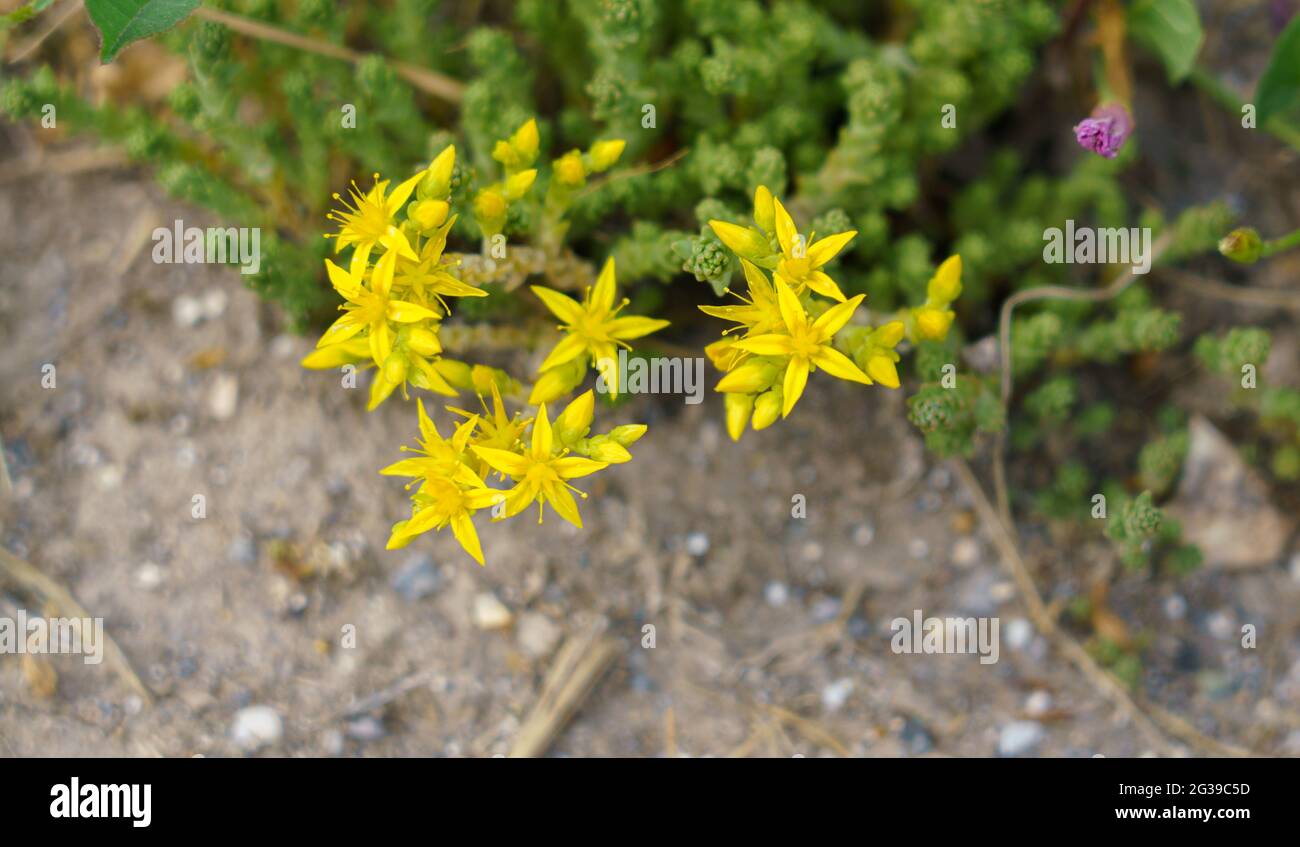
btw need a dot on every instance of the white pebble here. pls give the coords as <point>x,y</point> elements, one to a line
<point>1038,704</point>
<point>256,727</point>
<point>1019,737</point>
<point>491,613</point>
<point>776,594</point>
<point>697,544</point>
<point>835,694</point>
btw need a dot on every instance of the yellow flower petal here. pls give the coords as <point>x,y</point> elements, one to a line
<point>838,365</point>
<point>633,326</point>
<point>785,229</point>
<point>825,249</point>
<point>543,440</point>
<point>568,348</point>
<point>574,467</point>
<point>796,377</point>
<point>602,295</point>
<point>766,345</point>
<point>833,319</point>
<point>463,528</point>
<point>562,306</point>
<point>510,464</point>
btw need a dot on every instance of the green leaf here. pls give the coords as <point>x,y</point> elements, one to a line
<point>1171,29</point>
<point>121,22</point>
<point>1278,92</point>
<point>24,13</point>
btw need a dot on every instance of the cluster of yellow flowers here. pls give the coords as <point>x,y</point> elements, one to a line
<point>784,332</point>
<point>451,474</point>
<point>392,313</point>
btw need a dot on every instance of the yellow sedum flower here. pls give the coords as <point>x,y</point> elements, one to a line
<point>593,329</point>
<point>366,220</point>
<point>449,491</point>
<point>541,474</point>
<point>807,344</point>
<point>798,262</point>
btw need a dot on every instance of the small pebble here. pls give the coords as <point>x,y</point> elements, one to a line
<point>223,399</point>
<point>917,548</point>
<point>864,534</point>
<point>1219,625</point>
<point>366,728</point>
<point>214,303</point>
<point>915,738</point>
<point>490,613</point>
<point>149,576</point>
<point>835,694</point>
<point>187,311</point>
<point>776,594</point>
<point>417,578</point>
<point>1020,633</point>
<point>256,727</point>
<point>1038,704</point>
<point>537,634</point>
<point>1175,607</point>
<point>1019,738</point>
<point>966,552</point>
<point>242,550</point>
<point>812,552</point>
<point>697,544</point>
<point>826,609</point>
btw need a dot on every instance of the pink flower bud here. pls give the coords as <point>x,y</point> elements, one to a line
<point>1106,130</point>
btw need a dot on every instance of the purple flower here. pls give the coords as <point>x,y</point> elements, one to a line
<point>1106,130</point>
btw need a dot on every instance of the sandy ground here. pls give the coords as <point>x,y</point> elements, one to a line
<point>771,632</point>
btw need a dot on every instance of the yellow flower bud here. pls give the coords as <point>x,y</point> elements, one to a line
<point>932,324</point>
<point>739,407</point>
<point>395,367</point>
<point>750,378</point>
<point>517,185</point>
<point>490,212</point>
<point>603,154</point>
<point>742,240</point>
<point>603,449</point>
<point>557,382</point>
<point>767,408</point>
<point>436,184</point>
<point>457,373</point>
<point>889,334</point>
<point>764,209</point>
<point>881,368</point>
<point>945,286</point>
<point>569,171</point>
<point>525,141</point>
<point>628,434</point>
<point>423,341</point>
<point>574,422</point>
<point>429,214</point>
<point>722,353</point>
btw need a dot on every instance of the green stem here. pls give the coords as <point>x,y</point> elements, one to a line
<point>1277,245</point>
<point>1230,100</point>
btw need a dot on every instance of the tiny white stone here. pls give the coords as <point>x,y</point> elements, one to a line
<point>965,552</point>
<point>776,594</point>
<point>187,311</point>
<point>491,613</point>
<point>149,576</point>
<point>256,727</point>
<point>697,544</point>
<point>224,397</point>
<point>835,694</point>
<point>1038,704</point>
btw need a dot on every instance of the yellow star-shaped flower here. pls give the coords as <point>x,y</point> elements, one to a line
<point>593,327</point>
<point>807,343</point>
